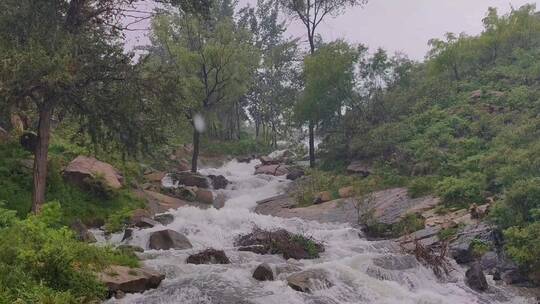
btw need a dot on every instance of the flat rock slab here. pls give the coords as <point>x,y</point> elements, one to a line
<point>160,203</point>
<point>336,211</point>
<point>393,204</point>
<point>130,280</point>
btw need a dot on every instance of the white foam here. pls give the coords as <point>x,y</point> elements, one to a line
<point>347,258</point>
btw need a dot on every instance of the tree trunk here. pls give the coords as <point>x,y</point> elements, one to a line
<point>40,158</point>
<point>196,139</point>
<point>311,144</point>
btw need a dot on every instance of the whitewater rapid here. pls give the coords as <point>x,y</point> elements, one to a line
<point>348,258</point>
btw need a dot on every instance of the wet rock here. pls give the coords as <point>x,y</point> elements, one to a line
<point>204,196</point>
<point>357,167</point>
<point>218,181</point>
<point>168,239</point>
<point>182,192</point>
<point>83,169</point>
<point>280,242</point>
<point>138,214</point>
<point>276,170</point>
<point>267,160</point>
<point>209,256</point>
<point>119,294</point>
<point>392,262</point>
<point>461,248</point>
<point>128,234</point>
<point>309,280</point>
<point>392,205</point>
<point>489,261</point>
<point>82,233</point>
<point>145,222</point>
<point>475,278</point>
<point>130,280</point>
<point>164,219</point>
<point>514,276</point>
<point>287,268</point>
<point>219,201</point>
<point>244,159</point>
<point>190,179</point>
<point>295,173</point>
<point>346,192</point>
<point>263,272</point>
<point>258,249</point>
<point>322,197</point>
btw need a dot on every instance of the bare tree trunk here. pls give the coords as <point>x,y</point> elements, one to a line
<point>40,157</point>
<point>311,145</point>
<point>195,157</point>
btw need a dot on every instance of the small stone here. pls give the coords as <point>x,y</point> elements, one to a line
<point>263,272</point>
<point>145,222</point>
<point>322,197</point>
<point>309,280</point>
<point>204,196</point>
<point>128,234</point>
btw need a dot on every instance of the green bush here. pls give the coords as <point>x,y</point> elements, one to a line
<point>522,199</point>
<point>462,191</point>
<point>523,246</point>
<point>421,186</point>
<point>42,262</point>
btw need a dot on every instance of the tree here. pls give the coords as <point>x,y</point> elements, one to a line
<point>311,13</point>
<point>276,82</point>
<point>329,75</point>
<point>61,57</point>
<point>209,59</point>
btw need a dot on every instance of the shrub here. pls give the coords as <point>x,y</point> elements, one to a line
<point>42,262</point>
<point>462,191</point>
<point>421,186</point>
<point>522,198</point>
<point>523,246</point>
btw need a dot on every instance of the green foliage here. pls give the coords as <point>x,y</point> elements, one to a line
<point>523,245</point>
<point>317,181</point>
<point>42,262</point>
<point>447,233</point>
<point>245,146</point>
<point>479,247</point>
<point>409,224</point>
<point>461,191</point>
<point>421,186</point>
<point>15,190</point>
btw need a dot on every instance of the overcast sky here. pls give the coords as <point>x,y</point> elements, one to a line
<point>396,25</point>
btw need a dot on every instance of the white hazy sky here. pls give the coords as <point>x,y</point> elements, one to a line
<point>396,25</point>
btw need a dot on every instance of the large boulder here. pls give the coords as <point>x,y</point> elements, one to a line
<point>359,168</point>
<point>146,222</point>
<point>83,169</point>
<point>276,170</point>
<point>168,239</point>
<point>475,278</point>
<point>190,179</point>
<point>218,181</point>
<point>263,272</point>
<point>82,233</point>
<point>209,256</point>
<point>130,280</point>
<point>204,196</point>
<point>267,160</point>
<point>182,192</point>
<point>309,280</point>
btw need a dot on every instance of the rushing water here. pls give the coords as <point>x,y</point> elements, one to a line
<point>348,259</point>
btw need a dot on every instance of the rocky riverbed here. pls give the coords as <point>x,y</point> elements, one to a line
<point>350,269</point>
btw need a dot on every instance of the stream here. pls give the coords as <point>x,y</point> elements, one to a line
<point>361,271</point>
